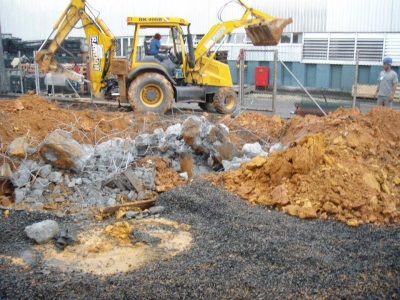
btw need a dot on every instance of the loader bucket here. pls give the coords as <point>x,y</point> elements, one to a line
<point>267,34</point>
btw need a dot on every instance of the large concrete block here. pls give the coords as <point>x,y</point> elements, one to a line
<point>42,232</point>
<point>61,150</point>
<point>208,139</point>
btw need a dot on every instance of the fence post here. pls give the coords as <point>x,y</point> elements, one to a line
<point>356,78</point>
<point>275,80</point>
<point>241,77</point>
<point>20,72</point>
<point>37,76</point>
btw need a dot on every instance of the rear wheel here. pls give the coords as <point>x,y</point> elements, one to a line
<point>226,100</point>
<point>151,92</point>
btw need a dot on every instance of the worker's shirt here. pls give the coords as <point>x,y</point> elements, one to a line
<point>154,46</point>
<point>387,80</point>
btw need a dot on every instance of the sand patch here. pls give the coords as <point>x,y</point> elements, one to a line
<point>113,249</point>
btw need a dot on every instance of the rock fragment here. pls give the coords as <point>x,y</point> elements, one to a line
<point>61,150</point>
<point>18,147</point>
<point>42,232</point>
<point>208,139</point>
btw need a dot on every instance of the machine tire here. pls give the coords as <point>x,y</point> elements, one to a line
<point>226,100</point>
<point>151,92</point>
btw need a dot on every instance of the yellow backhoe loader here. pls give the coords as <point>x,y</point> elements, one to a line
<point>187,74</point>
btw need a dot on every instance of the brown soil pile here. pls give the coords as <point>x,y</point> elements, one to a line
<point>251,127</point>
<point>345,165</point>
<point>35,117</point>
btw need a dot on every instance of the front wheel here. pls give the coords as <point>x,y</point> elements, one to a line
<point>226,100</point>
<point>151,92</point>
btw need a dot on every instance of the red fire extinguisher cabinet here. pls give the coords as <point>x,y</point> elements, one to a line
<point>262,77</point>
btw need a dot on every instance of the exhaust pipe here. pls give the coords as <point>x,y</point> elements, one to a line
<point>192,63</point>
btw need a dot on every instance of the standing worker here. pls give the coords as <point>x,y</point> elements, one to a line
<point>387,84</point>
<point>155,46</point>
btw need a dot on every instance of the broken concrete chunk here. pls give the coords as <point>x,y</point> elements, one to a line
<point>191,131</point>
<point>71,184</point>
<point>5,171</point>
<point>131,214</point>
<point>45,171</point>
<point>40,183</point>
<point>277,147</point>
<point>158,133</point>
<point>18,147</point>
<point>42,232</point>
<point>57,189</point>
<point>132,196</point>
<point>252,150</point>
<point>223,128</point>
<point>156,209</point>
<point>133,179</point>
<point>111,202</point>
<point>22,176</point>
<point>208,139</point>
<point>36,193</point>
<point>141,195</point>
<point>144,143</point>
<point>61,150</point>
<point>55,177</point>
<point>234,164</point>
<point>86,181</point>
<point>19,195</point>
<point>174,131</point>
<point>184,175</point>
<point>59,199</point>
<point>223,146</point>
<point>172,139</point>
<point>66,179</point>
<point>31,151</point>
<point>147,177</point>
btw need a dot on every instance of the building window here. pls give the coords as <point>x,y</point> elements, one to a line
<point>297,38</point>
<point>371,49</point>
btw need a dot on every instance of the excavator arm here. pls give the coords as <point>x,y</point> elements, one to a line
<point>100,40</point>
<point>261,28</point>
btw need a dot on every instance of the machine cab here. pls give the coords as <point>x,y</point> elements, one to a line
<point>172,51</point>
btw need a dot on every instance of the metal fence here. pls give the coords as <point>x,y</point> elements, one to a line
<point>285,86</point>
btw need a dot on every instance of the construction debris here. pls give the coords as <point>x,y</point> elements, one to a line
<point>308,167</point>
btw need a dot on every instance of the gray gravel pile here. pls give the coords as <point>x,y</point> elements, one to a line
<point>238,252</point>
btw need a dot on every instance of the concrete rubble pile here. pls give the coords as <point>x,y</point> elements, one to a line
<point>79,176</point>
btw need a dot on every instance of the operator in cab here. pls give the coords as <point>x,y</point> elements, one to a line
<point>155,46</point>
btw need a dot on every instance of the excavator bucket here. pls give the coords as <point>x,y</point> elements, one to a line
<point>267,34</point>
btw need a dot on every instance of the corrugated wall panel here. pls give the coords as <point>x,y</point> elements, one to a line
<point>363,16</point>
<point>28,20</point>
<point>307,16</point>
